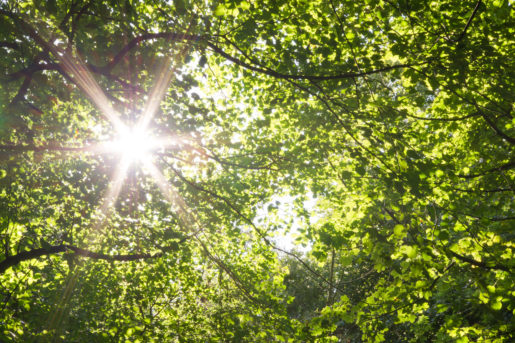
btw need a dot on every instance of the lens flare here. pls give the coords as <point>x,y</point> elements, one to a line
<point>134,144</point>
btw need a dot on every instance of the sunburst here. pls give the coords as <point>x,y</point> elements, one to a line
<point>137,148</point>
<point>135,144</point>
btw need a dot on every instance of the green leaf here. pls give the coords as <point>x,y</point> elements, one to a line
<point>497,305</point>
<point>180,6</point>
<point>398,230</point>
<point>244,5</point>
<point>220,10</point>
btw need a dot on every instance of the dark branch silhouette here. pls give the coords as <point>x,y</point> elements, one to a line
<point>480,264</point>
<point>469,21</point>
<point>13,260</point>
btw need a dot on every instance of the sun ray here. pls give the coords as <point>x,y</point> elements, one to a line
<point>60,311</point>
<point>128,146</point>
<point>106,204</point>
<point>167,142</point>
<point>82,76</point>
<point>166,189</point>
<point>156,95</point>
<point>115,185</point>
<point>169,192</point>
<point>160,87</point>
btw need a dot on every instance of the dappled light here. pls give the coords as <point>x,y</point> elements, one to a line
<point>257,171</point>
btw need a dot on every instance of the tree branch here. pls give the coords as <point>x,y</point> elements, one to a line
<point>25,148</point>
<point>170,36</point>
<point>20,95</point>
<point>479,263</point>
<point>10,45</point>
<point>10,261</point>
<point>506,166</point>
<point>464,32</point>
<point>273,73</point>
<point>497,130</point>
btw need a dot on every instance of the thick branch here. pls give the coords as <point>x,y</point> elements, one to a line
<point>278,75</point>
<point>171,36</point>
<point>20,95</point>
<point>25,148</point>
<point>98,256</point>
<point>464,32</point>
<point>33,68</point>
<point>479,263</point>
<point>56,249</point>
<point>10,45</point>
<point>29,255</point>
<point>497,130</point>
<point>506,166</point>
<point>496,190</point>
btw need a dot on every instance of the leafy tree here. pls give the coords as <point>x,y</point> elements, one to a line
<point>141,142</point>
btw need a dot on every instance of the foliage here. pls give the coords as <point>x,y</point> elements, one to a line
<point>394,117</point>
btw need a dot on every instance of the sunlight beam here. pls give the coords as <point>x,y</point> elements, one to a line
<point>115,185</point>
<point>107,202</point>
<point>95,93</point>
<point>73,66</point>
<point>156,95</point>
<point>160,87</point>
<point>167,190</point>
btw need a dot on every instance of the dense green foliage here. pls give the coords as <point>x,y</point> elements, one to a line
<point>394,118</point>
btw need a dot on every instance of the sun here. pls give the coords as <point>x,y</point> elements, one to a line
<point>134,144</point>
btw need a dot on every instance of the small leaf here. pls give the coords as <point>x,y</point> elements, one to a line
<point>220,10</point>
<point>244,5</point>
<point>497,305</point>
<point>398,230</point>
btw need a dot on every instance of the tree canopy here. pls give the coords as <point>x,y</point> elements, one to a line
<point>151,153</point>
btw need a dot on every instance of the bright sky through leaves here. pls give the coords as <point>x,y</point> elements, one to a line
<point>161,160</point>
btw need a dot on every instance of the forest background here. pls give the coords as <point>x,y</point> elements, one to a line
<point>152,154</point>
